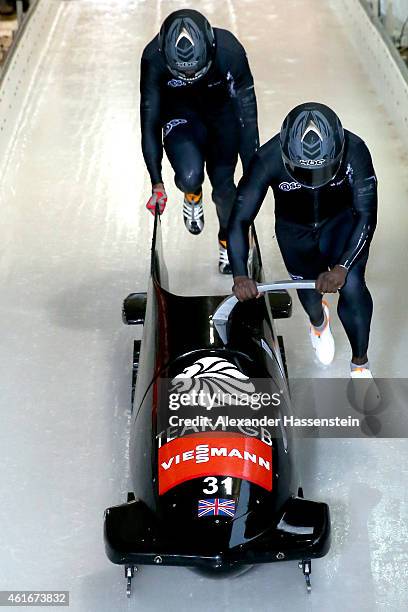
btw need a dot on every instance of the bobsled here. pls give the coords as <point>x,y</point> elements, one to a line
<point>214,483</point>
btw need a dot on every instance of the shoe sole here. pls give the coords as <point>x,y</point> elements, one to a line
<point>193,231</point>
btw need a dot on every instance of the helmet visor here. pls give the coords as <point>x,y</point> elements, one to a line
<point>315,174</point>
<point>189,75</point>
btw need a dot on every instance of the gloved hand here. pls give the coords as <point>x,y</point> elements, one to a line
<point>245,288</point>
<point>330,282</point>
<point>158,195</point>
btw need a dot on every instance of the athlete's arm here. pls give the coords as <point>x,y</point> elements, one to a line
<point>242,91</point>
<point>364,185</point>
<point>152,146</point>
<point>251,193</point>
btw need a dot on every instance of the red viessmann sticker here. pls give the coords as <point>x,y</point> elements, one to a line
<point>233,455</point>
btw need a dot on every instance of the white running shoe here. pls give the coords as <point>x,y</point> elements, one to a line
<point>364,395</point>
<point>224,265</point>
<point>323,341</point>
<point>193,212</point>
<point>361,373</point>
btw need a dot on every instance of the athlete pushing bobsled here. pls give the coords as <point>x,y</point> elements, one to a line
<point>325,191</point>
<point>198,102</point>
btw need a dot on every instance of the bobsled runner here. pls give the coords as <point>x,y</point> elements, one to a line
<point>213,486</point>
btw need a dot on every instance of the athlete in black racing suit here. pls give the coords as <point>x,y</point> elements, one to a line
<point>323,233</point>
<point>206,117</point>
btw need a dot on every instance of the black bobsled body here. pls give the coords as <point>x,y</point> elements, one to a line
<point>182,475</point>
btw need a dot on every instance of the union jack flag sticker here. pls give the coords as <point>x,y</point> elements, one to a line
<point>216,507</point>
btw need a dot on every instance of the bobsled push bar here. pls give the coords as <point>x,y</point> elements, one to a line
<point>222,314</point>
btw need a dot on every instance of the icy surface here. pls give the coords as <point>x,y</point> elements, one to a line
<point>75,240</point>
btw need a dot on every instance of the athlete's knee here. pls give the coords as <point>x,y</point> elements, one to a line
<point>189,180</point>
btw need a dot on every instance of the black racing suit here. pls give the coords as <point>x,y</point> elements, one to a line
<point>316,229</point>
<point>206,122</point>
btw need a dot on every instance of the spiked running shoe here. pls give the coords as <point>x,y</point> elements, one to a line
<point>322,341</point>
<point>193,212</point>
<point>223,262</point>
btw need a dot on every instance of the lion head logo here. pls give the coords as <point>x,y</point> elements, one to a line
<point>212,376</point>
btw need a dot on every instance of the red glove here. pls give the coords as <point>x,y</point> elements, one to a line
<point>158,195</point>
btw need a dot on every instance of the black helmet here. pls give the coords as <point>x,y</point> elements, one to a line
<point>187,41</point>
<point>312,143</point>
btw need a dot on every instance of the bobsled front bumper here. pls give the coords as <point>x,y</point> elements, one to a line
<point>133,538</point>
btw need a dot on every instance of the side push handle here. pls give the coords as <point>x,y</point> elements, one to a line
<point>222,314</point>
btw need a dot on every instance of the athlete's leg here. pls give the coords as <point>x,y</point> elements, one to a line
<point>299,246</point>
<point>184,141</point>
<point>222,157</point>
<point>355,306</point>
<point>300,251</point>
<point>355,309</point>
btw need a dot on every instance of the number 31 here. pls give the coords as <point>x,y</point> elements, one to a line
<point>213,485</point>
